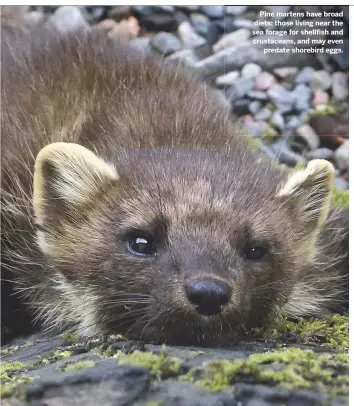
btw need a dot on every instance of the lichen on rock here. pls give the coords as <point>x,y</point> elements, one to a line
<point>161,366</point>
<point>332,332</point>
<point>289,367</point>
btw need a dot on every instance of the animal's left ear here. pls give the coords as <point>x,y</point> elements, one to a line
<point>309,192</point>
<point>66,178</point>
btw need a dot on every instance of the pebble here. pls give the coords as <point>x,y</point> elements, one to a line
<point>341,156</point>
<point>251,70</point>
<point>304,116</point>
<point>225,24</point>
<point>320,108</point>
<point>159,22</point>
<point>189,8</point>
<point>188,56</point>
<point>320,97</point>
<point>228,79</point>
<point>277,120</point>
<point>241,88</point>
<point>255,107</point>
<point>308,135</point>
<point>305,75</point>
<point>236,10</point>
<point>255,128</point>
<point>142,44</point>
<point>236,57</point>
<point>166,43</point>
<point>340,183</point>
<point>234,38</point>
<point>284,154</point>
<point>321,80</point>
<point>320,153</point>
<point>142,10</point>
<point>116,13</point>
<point>264,81</point>
<point>340,86</point>
<point>266,150</point>
<point>240,106</point>
<point>286,73</point>
<point>189,37</point>
<point>68,18</point>
<point>243,23</point>
<point>213,11</point>
<point>167,9</point>
<point>282,98</point>
<point>293,122</point>
<point>200,23</point>
<point>124,30</point>
<point>264,114</point>
<point>257,94</point>
<point>302,95</point>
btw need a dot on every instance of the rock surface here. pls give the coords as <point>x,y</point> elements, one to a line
<point>283,369</point>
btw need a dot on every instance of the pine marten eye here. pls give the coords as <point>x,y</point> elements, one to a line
<point>141,245</point>
<point>255,251</point>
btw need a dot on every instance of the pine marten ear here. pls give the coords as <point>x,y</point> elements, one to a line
<point>66,177</point>
<point>309,191</point>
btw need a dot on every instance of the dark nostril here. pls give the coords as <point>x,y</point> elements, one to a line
<point>208,295</point>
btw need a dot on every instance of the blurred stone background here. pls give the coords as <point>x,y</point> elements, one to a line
<point>294,105</point>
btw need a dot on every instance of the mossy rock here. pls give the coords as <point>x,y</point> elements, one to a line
<point>12,378</point>
<point>161,366</point>
<point>290,368</point>
<point>78,365</point>
<point>332,332</point>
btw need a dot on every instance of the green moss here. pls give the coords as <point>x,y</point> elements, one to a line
<point>6,367</point>
<point>290,368</point>
<point>253,142</point>
<point>70,339</point>
<point>55,355</point>
<point>10,379</point>
<point>195,353</point>
<point>329,109</point>
<point>14,348</point>
<point>78,365</point>
<point>270,106</point>
<point>59,355</point>
<point>270,133</point>
<point>332,332</point>
<point>158,403</point>
<point>9,351</point>
<point>161,366</point>
<point>341,198</point>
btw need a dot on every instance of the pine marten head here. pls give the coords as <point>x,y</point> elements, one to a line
<point>173,245</point>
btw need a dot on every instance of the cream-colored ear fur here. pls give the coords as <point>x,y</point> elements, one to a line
<point>71,172</point>
<point>311,186</point>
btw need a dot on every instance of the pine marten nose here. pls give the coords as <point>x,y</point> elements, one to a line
<point>208,295</point>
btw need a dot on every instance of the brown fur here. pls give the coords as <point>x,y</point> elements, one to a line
<point>171,164</point>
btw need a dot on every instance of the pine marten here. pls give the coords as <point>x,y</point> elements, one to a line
<point>132,205</point>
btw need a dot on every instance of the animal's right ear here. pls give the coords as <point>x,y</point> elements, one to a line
<point>66,177</point>
<point>308,191</point>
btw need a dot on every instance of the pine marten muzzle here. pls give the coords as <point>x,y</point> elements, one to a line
<point>130,204</point>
